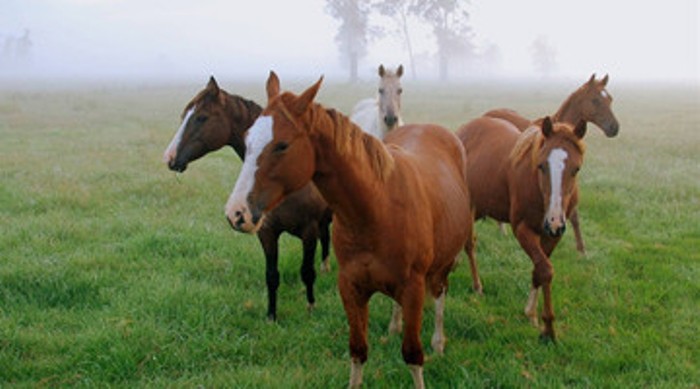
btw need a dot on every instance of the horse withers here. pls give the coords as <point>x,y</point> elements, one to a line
<point>527,179</point>
<point>214,119</point>
<point>401,209</point>
<point>592,103</point>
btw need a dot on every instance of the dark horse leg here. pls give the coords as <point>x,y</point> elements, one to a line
<point>308,274</point>
<point>325,236</point>
<point>542,276</point>
<point>577,231</point>
<point>269,239</point>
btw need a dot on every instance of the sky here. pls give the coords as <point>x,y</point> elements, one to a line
<point>635,40</point>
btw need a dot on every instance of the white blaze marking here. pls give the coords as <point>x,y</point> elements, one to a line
<point>258,137</point>
<point>556,170</point>
<point>171,151</point>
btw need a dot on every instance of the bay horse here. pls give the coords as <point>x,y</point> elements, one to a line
<point>590,102</point>
<point>378,116</point>
<point>214,119</point>
<point>401,208</point>
<point>527,179</point>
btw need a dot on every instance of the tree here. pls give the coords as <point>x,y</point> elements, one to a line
<point>399,10</point>
<point>544,56</point>
<point>449,20</point>
<point>354,32</point>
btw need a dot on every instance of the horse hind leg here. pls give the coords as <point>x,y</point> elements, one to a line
<point>531,306</point>
<point>438,340</point>
<point>396,323</point>
<point>473,267</point>
<point>580,246</point>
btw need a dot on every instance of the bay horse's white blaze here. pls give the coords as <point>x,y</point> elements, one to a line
<point>237,205</point>
<point>171,150</point>
<point>555,214</point>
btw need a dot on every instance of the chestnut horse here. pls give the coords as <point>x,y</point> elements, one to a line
<point>400,208</point>
<point>214,119</point>
<point>527,179</point>
<point>378,116</point>
<point>590,102</point>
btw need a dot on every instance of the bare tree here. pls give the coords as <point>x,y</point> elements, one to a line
<point>544,56</point>
<point>449,20</point>
<point>354,31</point>
<point>399,11</point>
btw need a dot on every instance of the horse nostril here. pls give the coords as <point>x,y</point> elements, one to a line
<point>390,120</point>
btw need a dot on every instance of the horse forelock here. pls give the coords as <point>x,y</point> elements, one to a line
<point>532,139</point>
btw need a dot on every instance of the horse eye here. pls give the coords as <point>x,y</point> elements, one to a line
<point>575,171</point>
<point>381,91</point>
<point>542,167</point>
<point>201,119</point>
<point>400,90</point>
<point>280,147</point>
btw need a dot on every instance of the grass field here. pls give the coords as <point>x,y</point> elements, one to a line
<point>115,272</point>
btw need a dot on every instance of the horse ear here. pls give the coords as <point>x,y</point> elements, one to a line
<point>591,80</point>
<point>604,81</point>
<point>381,71</point>
<point>547,129</point>
<point>580,130</point>
<point>399,71</point>
<point>299,106</point>
<point>212,85</point>
<point>273,86</point>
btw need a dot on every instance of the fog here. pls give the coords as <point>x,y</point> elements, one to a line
<point>176,39</point>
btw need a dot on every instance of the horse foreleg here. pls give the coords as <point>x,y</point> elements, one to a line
<point>269,239</point>
<point>412,349</point>
<point>542,275</point>
<point>438,339</point>
<point>357,312</point>
<point>308,274</point>
<point>325,238</point>
<point>469,249</point>
<point>577,231</point>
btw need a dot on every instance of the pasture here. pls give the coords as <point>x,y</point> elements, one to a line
<point>116,272</point>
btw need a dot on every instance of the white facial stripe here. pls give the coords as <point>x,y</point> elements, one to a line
<point>556,170</point>
<point>170,152</point>
<point>258,137</point>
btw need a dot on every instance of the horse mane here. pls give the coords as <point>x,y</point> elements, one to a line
<point>348,138</point>
<point>531,140</point>
<point>249,105</point>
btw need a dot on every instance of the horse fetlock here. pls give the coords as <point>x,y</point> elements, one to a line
<point>325,266</point>
<point>417,375</point>
<point>355,373</point>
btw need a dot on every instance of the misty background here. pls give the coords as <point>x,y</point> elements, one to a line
<point>347,40</point>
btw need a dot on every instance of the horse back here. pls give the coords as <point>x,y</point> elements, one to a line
<point>511,116</point>
<point>488,143</point>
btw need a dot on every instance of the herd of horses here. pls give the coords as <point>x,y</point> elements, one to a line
<point>402,199</point>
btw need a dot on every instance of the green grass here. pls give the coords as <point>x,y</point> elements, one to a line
<point>115,272</point>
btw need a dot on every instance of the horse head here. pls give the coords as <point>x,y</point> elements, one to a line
<point>279,157</point>
<point>558,161</point>
<point>390,96</point>
<point>206,126</point>
<point>596,105</point>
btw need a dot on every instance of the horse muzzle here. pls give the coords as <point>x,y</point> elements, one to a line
<point>391,121</point>
<point>242,219</point>
<point>555,227</point>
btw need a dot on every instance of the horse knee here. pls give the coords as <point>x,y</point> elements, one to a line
<point>542,274</point>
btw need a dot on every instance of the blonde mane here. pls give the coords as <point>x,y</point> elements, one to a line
<point>348,138</point>
<point>531,140</point>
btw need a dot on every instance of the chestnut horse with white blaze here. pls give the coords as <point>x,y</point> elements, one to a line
<point>527,179</point>
<point>401,209</point>
<point>591,102</point>
<point>215,118</point>
<point>378,116</point>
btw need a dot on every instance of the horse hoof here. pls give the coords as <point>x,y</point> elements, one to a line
<point>547,338</point>
<point>310,308</point>
<point>325,266</point>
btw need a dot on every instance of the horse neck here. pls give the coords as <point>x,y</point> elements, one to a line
<point>570,110</point>
<point>241,114</point>
<point>351,166</point>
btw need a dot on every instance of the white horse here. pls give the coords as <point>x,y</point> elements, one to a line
<point>377,116</point>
